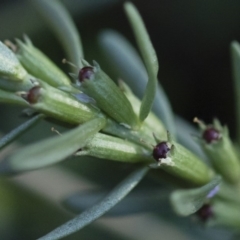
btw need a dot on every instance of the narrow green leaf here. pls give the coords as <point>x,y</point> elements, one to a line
<point>136,202</point>
<point>149,57</point>
<point>125,61</point>
<point>152,123</point>
<point>235,54</point>
<point>62,24</point>
<point>12,98</point>
<point>96,211</point>
<point>186,202</point>
<point>52,150</point>
<point>15,133</point>
<point>39,65</point>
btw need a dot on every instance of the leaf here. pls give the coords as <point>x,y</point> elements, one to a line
<point>186,202</point>
<point>96,211</point>
<point>136,202</point>
<point>63,26</point>
<point>10,137</point>
<point>149,57</point>
<point>52,150</point>
<point>125,61</point>
<point>12,98</point>
<point>39,65</point>
<point>235,54</point>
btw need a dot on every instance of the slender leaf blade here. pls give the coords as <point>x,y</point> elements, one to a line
<point>124,59</point>
<point>235,54</point>
<point>186,202</point>
<point>52,150</point>
<point>63,26</point>
<point>149,57</point>
<point>136,202</point>
<point>91,214</point>
<point>11,98</point>
<point>17,132</point>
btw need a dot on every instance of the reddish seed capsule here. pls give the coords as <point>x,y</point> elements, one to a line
<point>33,95</point>
<point>160,150</point>
<point>211,134</point>
<point>85,73</point>
<point>205,212</point>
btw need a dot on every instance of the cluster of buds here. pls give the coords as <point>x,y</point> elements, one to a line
<point>120,127</point>
<point>93,94</point>
<point>215,142</point>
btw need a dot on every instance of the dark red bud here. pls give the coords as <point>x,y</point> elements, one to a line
<point>205,212</point>
<point>211,134</point>
<point>33,95</point>
<point>160,150</point>
<point>85,73</point>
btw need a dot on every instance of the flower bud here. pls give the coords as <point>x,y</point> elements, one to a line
<point>217,145</point>
<point>109,98</point>
<point>58,104</point>
<point>211,135</point>
<point>86,73</point>
<point>13,77</point>
<point>117,149</point>
<point>160,150</point>
<point>10,67</point>
<point>205,212</point>
<point>39,65</point>
<point>177,160</point>
<point>33,95</point>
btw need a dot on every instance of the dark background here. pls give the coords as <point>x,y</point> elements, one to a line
<point>191,37</point>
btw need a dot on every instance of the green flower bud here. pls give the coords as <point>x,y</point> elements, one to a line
<point>13,77</point>
<point>9,65</point>
<point>39,65</point>
<point>117,149</point>
<point>219,148</point>
<point>57,104</point>
<point>95,83</point>
<point>177,160</point>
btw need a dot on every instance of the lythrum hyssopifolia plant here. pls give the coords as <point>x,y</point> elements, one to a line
<point>106,120</point>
